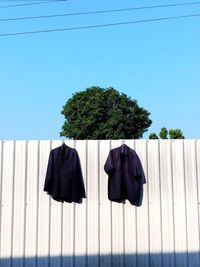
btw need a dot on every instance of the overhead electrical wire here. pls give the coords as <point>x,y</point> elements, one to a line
<point>33,3</point>
<point>100,11</point>
<point>99,25</point>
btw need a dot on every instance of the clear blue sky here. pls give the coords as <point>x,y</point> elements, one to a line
<point>156,63</point>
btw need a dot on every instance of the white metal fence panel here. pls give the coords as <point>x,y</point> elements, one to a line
<point>166,202</point>
<point>37,231</point>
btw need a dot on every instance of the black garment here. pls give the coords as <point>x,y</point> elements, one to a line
<point>64,180</point>
<point>125,175</point>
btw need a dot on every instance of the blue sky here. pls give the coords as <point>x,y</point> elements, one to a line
<point>156,63</point>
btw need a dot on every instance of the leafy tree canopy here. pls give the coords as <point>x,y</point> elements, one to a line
<point>153,136</point>
<point>176,134</point>
<point>163,133</point>
<point>173,134</point>
<point>98,113</point>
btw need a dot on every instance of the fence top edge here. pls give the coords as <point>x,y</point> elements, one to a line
<point>79,140</point>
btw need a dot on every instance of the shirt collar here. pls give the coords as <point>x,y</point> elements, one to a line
<point>64,151</point>
<point>124,150</point>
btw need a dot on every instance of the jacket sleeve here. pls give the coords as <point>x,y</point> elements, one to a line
<point>48,184</point>
<point>79,176</point>
<point>109,164</point>
<point>138,169</point>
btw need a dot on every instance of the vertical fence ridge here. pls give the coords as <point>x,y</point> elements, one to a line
<point>74,220</point>
<point>86,228</point>
<point>148,201</point>
<point>173,216</point>
<point>160,199</point>
<point>37,222</point>
<point>49,237</point>
<point>1,185</point>
<point>25,201</point>
<point>184,181</point>
<point>99,203</point>
<point>13,195</point>
<point>163,232</point>
<point>198,193</point>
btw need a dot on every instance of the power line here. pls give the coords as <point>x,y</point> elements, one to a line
<point>100,11</point>
<point>100,25</point>
<point>33,3</point>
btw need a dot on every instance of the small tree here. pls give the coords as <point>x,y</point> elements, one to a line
<point>176,134</point>
<point>163,133</point>
<point>153,136</point>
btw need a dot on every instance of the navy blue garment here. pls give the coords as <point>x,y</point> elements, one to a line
<point>64,179</point>
<point>125,175</point>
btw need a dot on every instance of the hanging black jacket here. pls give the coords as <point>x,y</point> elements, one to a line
<point>64,180</point>
<point>125,175</point>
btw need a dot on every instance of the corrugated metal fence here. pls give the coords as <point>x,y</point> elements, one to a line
<point>37,231</point>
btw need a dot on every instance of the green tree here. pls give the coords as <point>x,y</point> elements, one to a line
<point>98,113</point>
<point>163,133</point>
<point>153,136</point>
<point>176,134</point>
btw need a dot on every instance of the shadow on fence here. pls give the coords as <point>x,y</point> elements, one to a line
<point>190,259</point>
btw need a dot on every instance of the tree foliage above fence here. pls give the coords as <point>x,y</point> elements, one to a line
<point>98,113</point>
<point>164,134</point>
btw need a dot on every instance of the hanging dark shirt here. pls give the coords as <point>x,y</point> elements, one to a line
<point>125,175</point>
<point>64,179</point>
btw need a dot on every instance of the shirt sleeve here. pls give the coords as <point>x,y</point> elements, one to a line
<point>109,164</point>
<point>48,184</point>
<point>138,169</point>
<point>79,176</point>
